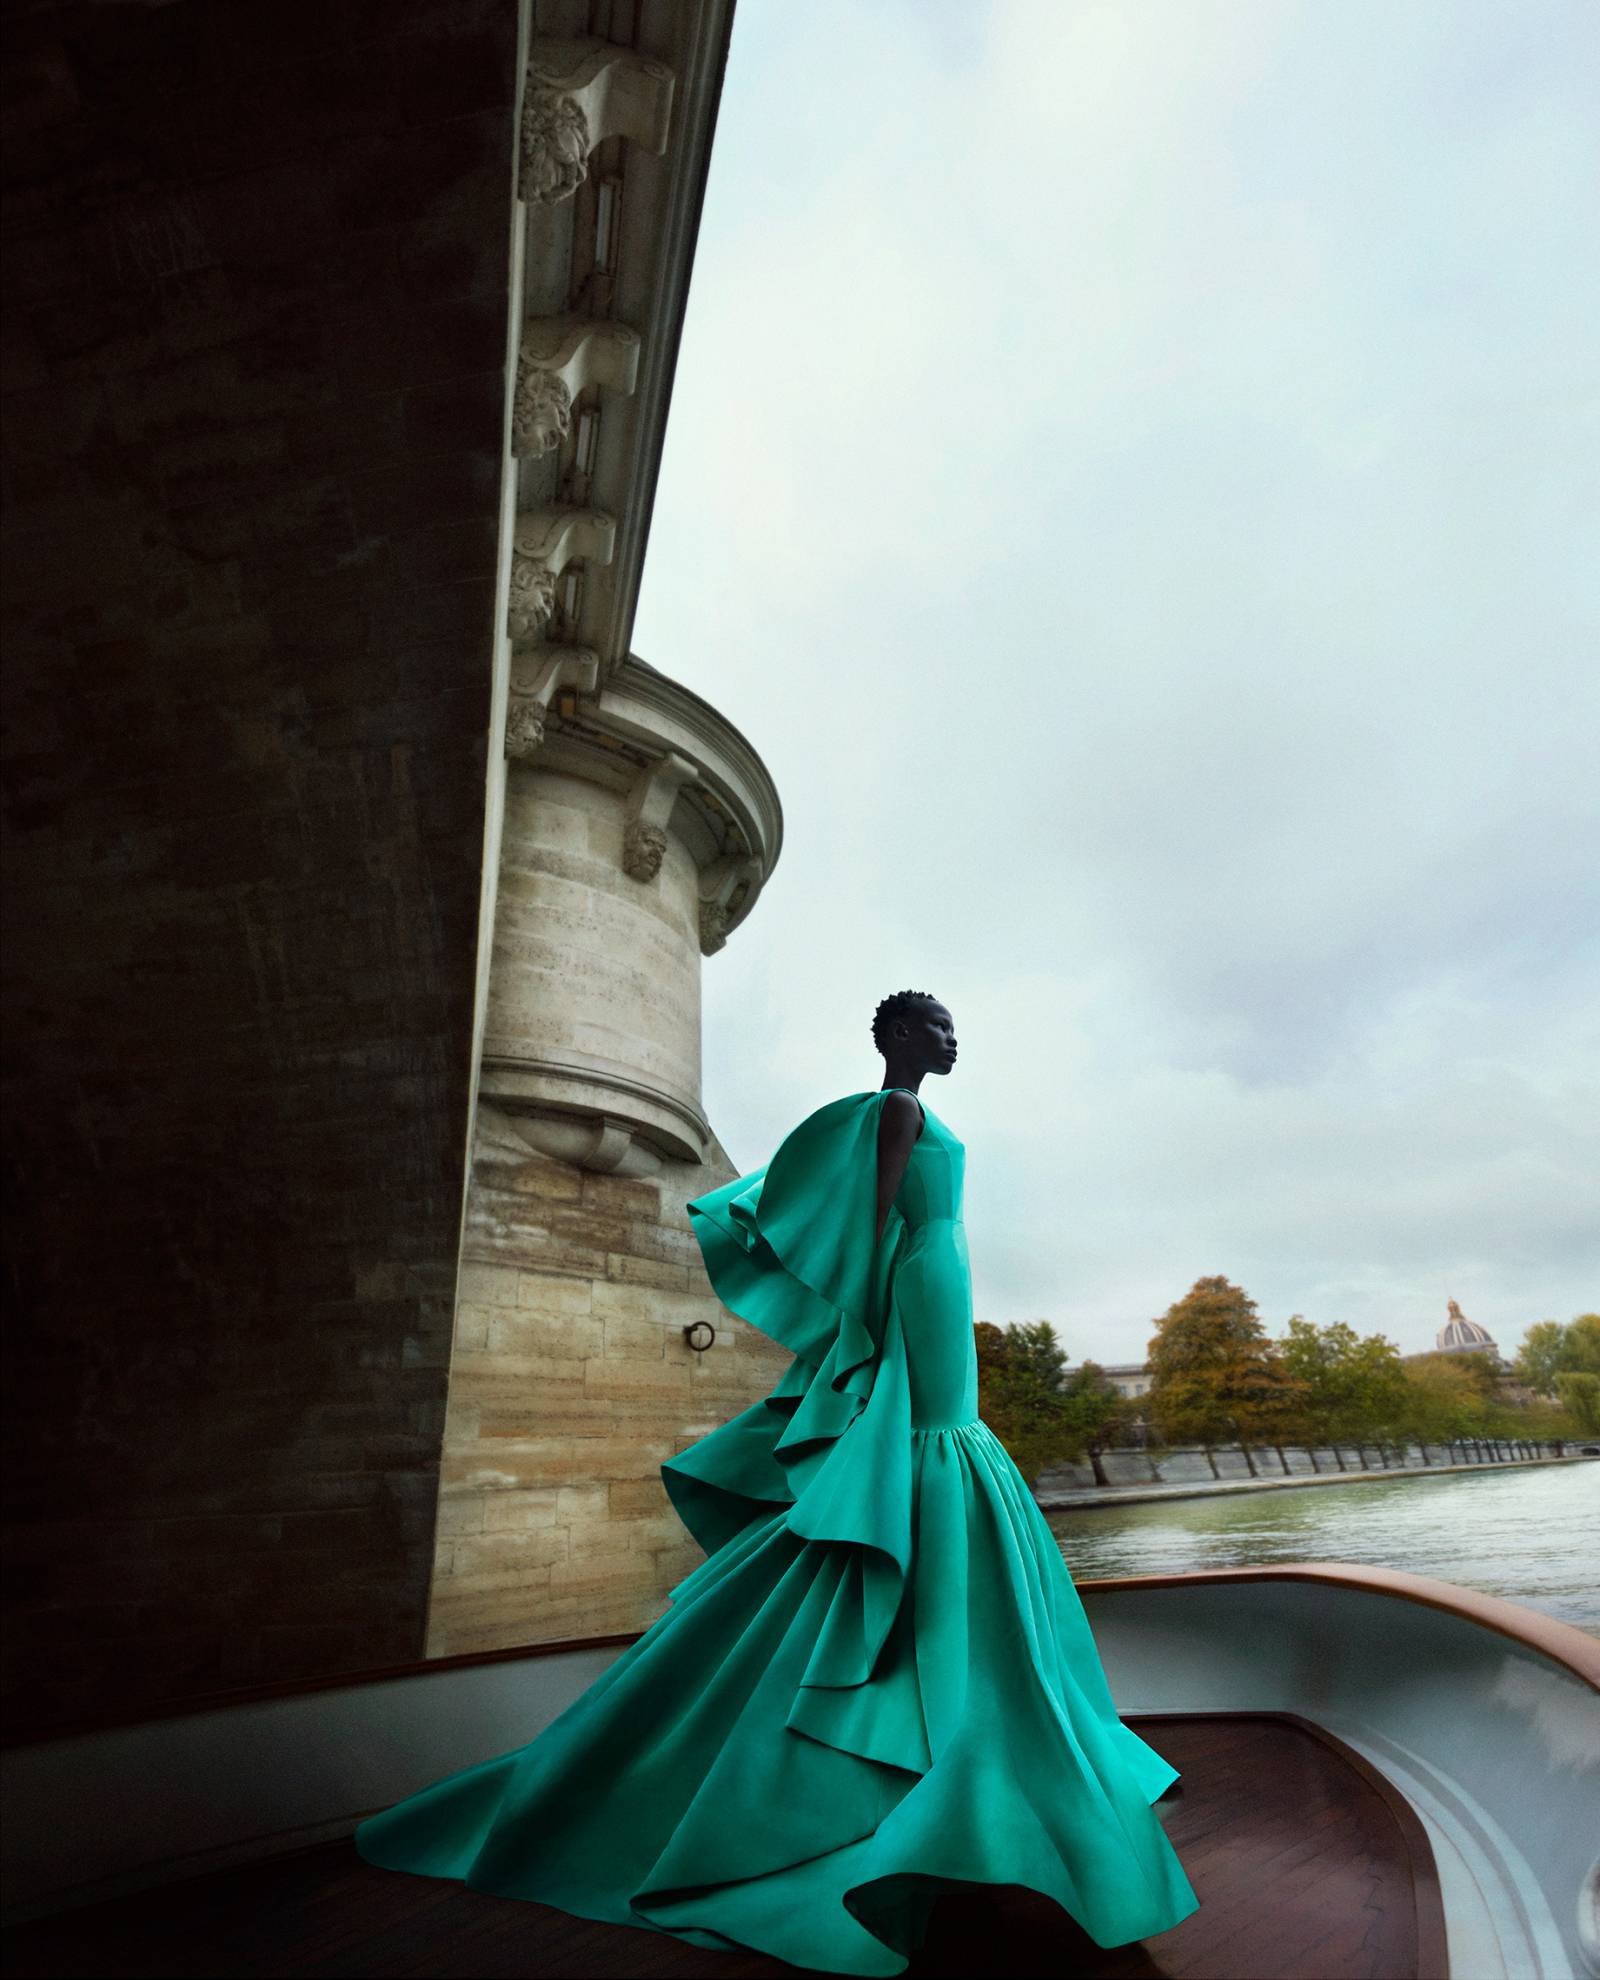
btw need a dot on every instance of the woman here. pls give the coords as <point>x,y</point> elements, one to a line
<point>880,1682</point>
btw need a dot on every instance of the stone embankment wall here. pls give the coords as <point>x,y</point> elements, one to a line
<point>1189,1467</point>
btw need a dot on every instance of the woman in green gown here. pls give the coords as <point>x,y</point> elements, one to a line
<point>880,1683</point>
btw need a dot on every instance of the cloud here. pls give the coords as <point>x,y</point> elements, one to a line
<point>1129,474</point>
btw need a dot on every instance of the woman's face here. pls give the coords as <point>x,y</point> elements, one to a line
<point>928,1035</point>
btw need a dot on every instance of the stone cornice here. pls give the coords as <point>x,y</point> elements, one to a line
<point>648,733</point>
<point>612,215</point>
<point>654,296</point>
<point>583,1092</point>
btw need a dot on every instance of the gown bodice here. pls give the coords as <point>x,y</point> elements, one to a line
<point>933,1282</point>
<point>930,1191</point>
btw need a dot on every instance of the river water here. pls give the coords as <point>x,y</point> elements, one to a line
<point>1532,1536</point>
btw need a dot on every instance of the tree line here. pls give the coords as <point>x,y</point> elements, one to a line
<point>1218,1379</point>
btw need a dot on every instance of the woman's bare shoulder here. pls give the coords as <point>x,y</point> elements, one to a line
<point>902,1113</point>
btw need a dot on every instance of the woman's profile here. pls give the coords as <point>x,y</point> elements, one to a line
<point>880,1682</point>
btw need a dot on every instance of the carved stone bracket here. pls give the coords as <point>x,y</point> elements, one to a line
<point>723,887</point>
<point>543,543</point>
<point>599,1142</point>
<point>560,356</point>
<point>655,791</point>
<point>534,687</point>
<point>578,94</point>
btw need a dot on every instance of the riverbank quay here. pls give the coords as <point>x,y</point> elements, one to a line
<point>1077,1497</point>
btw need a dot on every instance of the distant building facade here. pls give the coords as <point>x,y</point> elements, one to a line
<point>1129,1378</point>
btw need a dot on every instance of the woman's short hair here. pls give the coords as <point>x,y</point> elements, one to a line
<point>900,1005</point>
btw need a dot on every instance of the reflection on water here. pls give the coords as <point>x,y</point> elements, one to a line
<point>1528,1535</point>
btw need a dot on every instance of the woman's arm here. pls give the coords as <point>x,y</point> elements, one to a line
<point>899,1124</point>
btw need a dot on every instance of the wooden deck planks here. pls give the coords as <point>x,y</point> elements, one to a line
<point>1305,1870</point>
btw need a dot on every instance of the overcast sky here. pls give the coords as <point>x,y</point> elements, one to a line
<point>1134,474</point>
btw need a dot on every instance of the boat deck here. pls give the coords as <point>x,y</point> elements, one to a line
<point>1308,1866</point>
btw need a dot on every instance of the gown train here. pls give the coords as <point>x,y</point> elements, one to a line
<point>880,1682</point>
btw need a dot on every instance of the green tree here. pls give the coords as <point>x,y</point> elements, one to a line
<point>1021,1371</point>
<point>1580,1398</point>
<point>1353,1386</point>
<point>1539,1357</point>
<point>1550,1349</point>
<point>1580,1348</point>
<point>1097,1412</point>
<point>1549,1423</point>
<point>1445,1400</point>
<point>1378,1393</point>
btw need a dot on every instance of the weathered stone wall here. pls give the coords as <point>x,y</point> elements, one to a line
<point>571,1381</point>
<point>257,264</point>
<point>571,1378</point>
<point>592,967</point>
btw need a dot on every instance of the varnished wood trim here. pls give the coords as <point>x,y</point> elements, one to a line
<point>1433,1955</point>
<point>1563,1643</point>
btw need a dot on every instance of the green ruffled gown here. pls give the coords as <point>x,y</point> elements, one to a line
<point>880,1682</point>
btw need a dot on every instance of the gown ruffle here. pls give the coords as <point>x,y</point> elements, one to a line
<point>879,1683</point>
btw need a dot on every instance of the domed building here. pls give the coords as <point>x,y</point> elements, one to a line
<point>1459,1335</point>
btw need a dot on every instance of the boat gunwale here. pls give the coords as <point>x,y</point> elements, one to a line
<point>1562,1643</point>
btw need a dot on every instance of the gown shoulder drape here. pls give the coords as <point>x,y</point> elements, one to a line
<point>880,1681</point>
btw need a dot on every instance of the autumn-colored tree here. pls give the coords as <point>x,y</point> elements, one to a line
<point>1021,1370</point>
<point>1216,1378</point>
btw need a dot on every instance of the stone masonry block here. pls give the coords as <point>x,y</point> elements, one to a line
<point>650,1531</point>
<point>637,1380</point>
<point>533,1174</point>
<point>512,1552</point>
<point>556,1460</point>
<point>593,1539</point>
<point>472,1329</point>
<point>571,1412</point>
<point>581,1224</point>
<point>555,1337</point>
<point>519,1511</point>
<point>647,1271</point>
<point>586,1614</point>
<point>469,1618</point>
<point>669,1247</point>
<point>610,1575</point>
<point>549,1292</point>
<point>489,1285</point>
<point>515,1377</point>
<point>665,1306</point>
<point>621,1196</point>
<point>626,1337</point>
